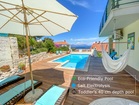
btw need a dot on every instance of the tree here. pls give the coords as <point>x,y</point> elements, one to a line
<point>49,44</point>
<point>44,46</point>
<point>21,42</point>
<point>32,42</point>
<point>63,48</point>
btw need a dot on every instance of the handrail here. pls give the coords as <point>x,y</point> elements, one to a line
<point>112,4</point>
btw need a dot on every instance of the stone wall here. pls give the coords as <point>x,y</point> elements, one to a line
<point>9,54</point>
<point>8,50</point>
<point>34,58</point>
<point>14,48</point>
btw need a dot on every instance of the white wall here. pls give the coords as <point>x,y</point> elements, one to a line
<point>121,47</point>
<point>8,50</point>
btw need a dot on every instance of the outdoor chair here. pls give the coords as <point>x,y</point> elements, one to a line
<point>13,95</point>
<point>10,80</point>
<point>55,95</point>
<point>57,52</point>
<point>60,52</point>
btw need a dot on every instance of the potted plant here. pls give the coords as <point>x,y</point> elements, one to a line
<point>21,66</point>
<point>5,68</point>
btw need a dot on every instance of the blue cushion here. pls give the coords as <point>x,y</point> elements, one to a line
<point>5,97</point>
<point>115,58</point>
<point>113,54</point>
<point>51,96</point>
<point>3,81</point>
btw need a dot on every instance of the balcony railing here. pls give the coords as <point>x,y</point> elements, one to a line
<point>112,4</point>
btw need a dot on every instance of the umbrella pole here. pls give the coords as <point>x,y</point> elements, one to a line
<point>34,94</point>
<point>27,42</point>
<point>29,59</point>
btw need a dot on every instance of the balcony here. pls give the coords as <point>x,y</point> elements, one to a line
<point>117,15</point>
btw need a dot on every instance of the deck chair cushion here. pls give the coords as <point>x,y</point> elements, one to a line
<point>10,94</point>
<point>9,80</point>
<point>51,96</point>
<point>57,52</point>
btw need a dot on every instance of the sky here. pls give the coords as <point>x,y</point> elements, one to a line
<point>85,30</point>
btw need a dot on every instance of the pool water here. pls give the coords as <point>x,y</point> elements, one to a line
<point>76,61</point>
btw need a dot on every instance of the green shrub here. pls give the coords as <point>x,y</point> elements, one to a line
<point>64,48</point>
<point>99,54</point>
<point>43,49</point>
<point>22,66</point>
<point>38,50</point>
<point>33,52</point>
<point>73,49</point>
<point>53,50</point>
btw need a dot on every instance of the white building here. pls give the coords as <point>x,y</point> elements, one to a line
<point>120,22</point>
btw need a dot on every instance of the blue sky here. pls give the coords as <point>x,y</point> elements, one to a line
<point>85,29</point>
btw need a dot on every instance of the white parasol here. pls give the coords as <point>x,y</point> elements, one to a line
<point>34,18</point>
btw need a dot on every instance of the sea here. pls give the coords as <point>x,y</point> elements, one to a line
<point>81,47</point>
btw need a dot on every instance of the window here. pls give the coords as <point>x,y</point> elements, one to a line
<point>131,38</point>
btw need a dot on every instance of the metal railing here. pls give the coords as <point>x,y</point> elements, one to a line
<point>112,4</point>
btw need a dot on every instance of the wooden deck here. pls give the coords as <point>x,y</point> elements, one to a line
<point>49,75</point>
<point>119,83</point>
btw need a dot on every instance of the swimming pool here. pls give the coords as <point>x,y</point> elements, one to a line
<point>76,61</point>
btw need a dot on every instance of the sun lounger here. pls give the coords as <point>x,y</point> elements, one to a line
<point>15,94</point>
<point>55,95</point>
<point>57,52</point>
<point>10,80</point>
<point>60,52</point>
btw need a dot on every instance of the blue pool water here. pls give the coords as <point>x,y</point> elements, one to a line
<point>76,61</point>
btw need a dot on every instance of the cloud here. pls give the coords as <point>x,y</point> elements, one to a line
<point>81,3</point>
<point>84,39</point>
<point>83,43</point>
